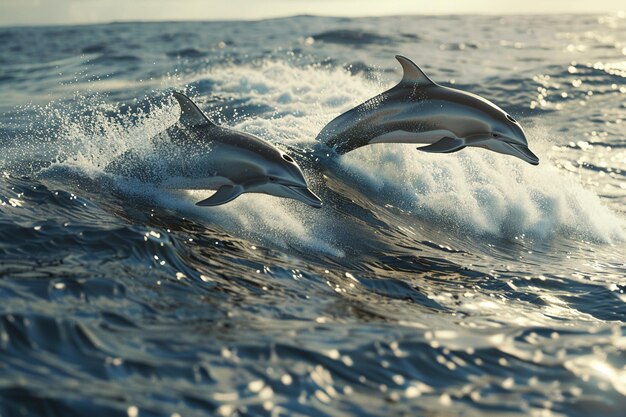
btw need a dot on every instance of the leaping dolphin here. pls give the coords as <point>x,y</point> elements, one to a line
<point>418,110</point>
<point>201,155</point>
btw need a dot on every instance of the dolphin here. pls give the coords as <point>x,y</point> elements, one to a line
<point>418,110</point>
<point>197,154</point>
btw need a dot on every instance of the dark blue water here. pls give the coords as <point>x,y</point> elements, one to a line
<point>438,285</point>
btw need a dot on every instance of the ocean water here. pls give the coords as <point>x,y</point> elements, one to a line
<point>465,284</point>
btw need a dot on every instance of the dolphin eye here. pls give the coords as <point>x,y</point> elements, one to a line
<point>511,119</point>
<point>287,158</point>
<point>495,135</point>
<point>272,179</point>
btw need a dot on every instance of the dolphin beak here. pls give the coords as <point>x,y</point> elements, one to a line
<point>305,195</point>
<point>523,153</point>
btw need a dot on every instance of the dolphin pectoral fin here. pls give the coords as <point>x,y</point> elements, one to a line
<point>445,145</point>
<point>225,194</point>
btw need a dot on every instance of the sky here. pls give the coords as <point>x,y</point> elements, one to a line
<point>54,12</point>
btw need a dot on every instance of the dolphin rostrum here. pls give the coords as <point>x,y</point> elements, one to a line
<point>418,110</point>
<point>200,155</point>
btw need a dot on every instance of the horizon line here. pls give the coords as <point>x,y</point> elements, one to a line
<point>126,21</point>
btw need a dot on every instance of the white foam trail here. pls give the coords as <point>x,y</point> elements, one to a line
<point>474,189</point>
<point>284,222</point>
<point>259,217</point>
<point>484,192</point>
<point>89,144</point>
<point>304,99</point>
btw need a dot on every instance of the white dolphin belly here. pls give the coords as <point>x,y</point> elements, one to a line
<point>402,136</point>
<point>187,183</point>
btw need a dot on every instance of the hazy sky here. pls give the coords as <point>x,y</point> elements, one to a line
<point>36,12</point>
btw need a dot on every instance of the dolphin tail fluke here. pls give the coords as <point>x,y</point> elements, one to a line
<point>445,145</point>
<point>225,194</point>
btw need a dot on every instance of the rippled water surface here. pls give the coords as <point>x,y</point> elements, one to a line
<point>429,284</point>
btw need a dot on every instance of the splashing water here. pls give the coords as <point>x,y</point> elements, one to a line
<point>459,284</point>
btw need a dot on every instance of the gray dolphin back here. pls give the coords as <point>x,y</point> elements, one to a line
<point>194,153</point>
<point>358,126</point>
<point>419,111</point>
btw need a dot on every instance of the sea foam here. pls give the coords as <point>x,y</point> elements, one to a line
<point>474,190</point>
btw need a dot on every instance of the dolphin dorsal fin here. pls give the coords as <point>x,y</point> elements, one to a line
<point>412,73</point>
<point>190,114</point>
